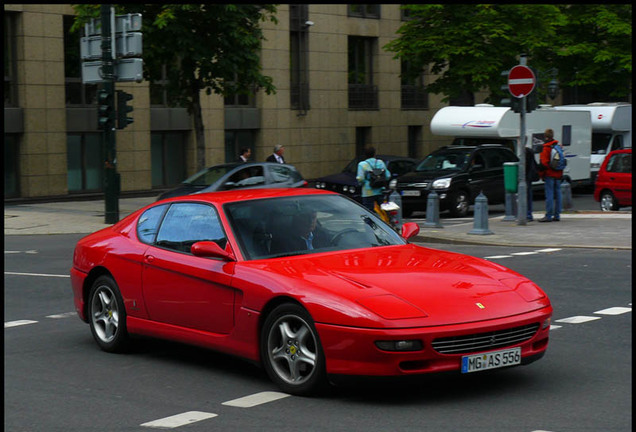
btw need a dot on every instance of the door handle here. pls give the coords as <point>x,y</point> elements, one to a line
<point>149,258</point>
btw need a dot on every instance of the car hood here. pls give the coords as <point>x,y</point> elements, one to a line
<point>414,283</point>
<point>339,178</point>
<point>416,176</point>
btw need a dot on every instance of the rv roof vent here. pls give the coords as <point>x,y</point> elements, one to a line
<point>484,105</point>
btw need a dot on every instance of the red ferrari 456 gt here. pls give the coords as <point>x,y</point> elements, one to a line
<point>306,282</point>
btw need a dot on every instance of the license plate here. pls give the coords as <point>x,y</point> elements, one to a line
<point>491,360</point>
<point>410,193</point>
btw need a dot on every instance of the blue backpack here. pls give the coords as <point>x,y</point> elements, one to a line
<point>557,158</point>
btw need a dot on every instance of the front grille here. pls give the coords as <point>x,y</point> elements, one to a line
<point>484,341</point>
<point>423,185</point>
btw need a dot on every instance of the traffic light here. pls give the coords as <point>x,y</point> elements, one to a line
<point>123,109</point>
<point>106,109</point>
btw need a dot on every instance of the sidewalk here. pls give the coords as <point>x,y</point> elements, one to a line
<point>576,229</point>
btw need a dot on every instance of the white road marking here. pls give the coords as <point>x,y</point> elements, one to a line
<point>37,274</point>
<point>524,253</point>
<point>179,420</point>
<point>614,311</point>
<point>31,252</point>
<point>498,256</point>
<point>18,323</point>
<point>548,250</point>
<point>256,399</point>
<point>578,319</point>
<point>62,315</point>
<point>554,327</point>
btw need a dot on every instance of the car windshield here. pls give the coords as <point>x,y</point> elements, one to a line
<point>352,167</point>
<point>278,227</point>
<point>453,160</point>
<point>209,175</point>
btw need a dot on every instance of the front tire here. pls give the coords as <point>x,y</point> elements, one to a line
<point>608,201</point>
<point>291,352</point>
<point>459,204</point>
<point>107,315</point>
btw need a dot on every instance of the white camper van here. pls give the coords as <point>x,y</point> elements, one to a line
<point>611,129</point>
<point>487,124</point>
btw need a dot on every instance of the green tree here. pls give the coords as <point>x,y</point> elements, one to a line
<point>205,47</point>
<point>470,45</point>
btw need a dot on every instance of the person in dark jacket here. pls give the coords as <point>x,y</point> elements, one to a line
<point>552,180</point>
<point>245,154</point>
<point>277,156</point>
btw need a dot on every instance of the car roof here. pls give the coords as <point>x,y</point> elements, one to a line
<point>225,197</point>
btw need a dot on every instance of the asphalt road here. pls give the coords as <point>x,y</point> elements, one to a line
<point>56,379</point>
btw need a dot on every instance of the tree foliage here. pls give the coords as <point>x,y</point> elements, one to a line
<point>470,45</point>
<point>204,47</point>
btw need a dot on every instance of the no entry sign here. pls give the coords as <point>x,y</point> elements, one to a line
<point>521,81</point>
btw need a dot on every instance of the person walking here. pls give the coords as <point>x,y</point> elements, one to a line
<point>552,180</point>
<point>532,175</point>
<point>371,195</point>
<point>245,154</point>
<point>277,155</point>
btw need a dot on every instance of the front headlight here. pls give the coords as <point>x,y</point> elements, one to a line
<point>595,165</point>
<point>443,183</point>
<point>393,184</point>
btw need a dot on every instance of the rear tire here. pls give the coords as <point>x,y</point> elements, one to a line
<point>107,315</point>
<point>608,201</point>
<point>291,352</point>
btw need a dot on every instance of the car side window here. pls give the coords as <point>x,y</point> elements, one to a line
<point>148,223</point>
<point>246,177</point>
<point>188,223</point>
<point>620,163</point>
<point>280,174</point>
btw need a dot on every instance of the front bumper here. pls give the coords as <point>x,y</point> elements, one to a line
<point>352,351</point>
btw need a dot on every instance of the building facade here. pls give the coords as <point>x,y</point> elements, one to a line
<point>338,91</point>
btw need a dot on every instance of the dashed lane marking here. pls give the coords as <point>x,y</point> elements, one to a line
<point>578,319</point>
<point>62,315</point>
<point>614,311</point>
<point>179,420</point>
<point>18,323</point>
<point>256,399</point>
<point>513,254</point>
<point>36,274</point>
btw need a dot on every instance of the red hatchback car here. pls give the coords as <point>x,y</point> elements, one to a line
<point>306,282</point>
<point>613,188</point>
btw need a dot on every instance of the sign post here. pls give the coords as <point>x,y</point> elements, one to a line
<point>521,82</point>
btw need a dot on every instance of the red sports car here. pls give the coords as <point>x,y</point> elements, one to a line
<point>306,282</point>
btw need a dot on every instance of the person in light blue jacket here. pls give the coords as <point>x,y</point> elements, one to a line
<point>370,195</point>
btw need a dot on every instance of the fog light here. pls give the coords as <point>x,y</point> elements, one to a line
<point>400,345</point>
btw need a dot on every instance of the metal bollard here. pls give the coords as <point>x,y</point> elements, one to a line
<point>511,207</point>
<point>566,195</point>
<point>480,225</point>
<point>397,199</point>
<point>432,211</point>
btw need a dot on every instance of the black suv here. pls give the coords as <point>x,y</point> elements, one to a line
<point>457,174</point>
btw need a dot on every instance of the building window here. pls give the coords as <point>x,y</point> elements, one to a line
<point>11,166</point>
<point>414,142</point>
<point>299,49</point>
<point>235,140</point>
<point>363,139</point>
<point>414,95</point>
<point>10,99</point>
<point>77,93</point>
<point>167,158</point>
<point>364,10</point>
<point>362,93</point>
<point>159,95</point>
<point>84,162</point>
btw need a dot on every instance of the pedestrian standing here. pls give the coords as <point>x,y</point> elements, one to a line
<point>277,156</point>
<point>245,154</point>
<point>552,180</point>
<point>532,175</point>
<point>371,195</point>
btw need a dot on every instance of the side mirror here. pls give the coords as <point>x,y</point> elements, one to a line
<point>211,249</point>
<point>410,229</point>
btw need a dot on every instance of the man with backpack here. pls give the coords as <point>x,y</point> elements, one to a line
<point>373,176</point>
<point>552,163</point>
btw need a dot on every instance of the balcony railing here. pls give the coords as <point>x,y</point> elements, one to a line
<point>414,97</point>
<point>363,96</point>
